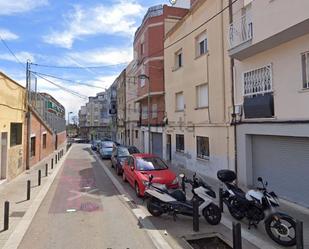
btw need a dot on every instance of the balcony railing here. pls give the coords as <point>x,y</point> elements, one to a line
<point>240,31</point>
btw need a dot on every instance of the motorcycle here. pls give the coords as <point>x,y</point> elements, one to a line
<point>160,201</point>
<point>257,205</point>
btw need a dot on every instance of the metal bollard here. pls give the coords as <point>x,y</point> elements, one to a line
<point>52,163</point>
<point>299,235</point>
<point>237,243</point>
<point>6,215</point>
<point>46,169</point>
<point>196,225</point>
<point>221,199</point>
<point>39,178</point>
<point>28,189</point>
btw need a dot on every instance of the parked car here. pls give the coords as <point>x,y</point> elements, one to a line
<point>138,167</point>
<point>120,154</point>
<point>106,149</point>
<point>94,144</point>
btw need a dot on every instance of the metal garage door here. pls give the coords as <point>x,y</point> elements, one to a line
<point>157,144</point>
<point>284,163</point>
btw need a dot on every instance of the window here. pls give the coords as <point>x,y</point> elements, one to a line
<point>142,80</point>
<point>16,134</point>
<point>258,81</point>
<point>180,102</point>
<point>44,141</point>
<point>142,48</point>
<point>144,112</point>
<point>202,96</point>
<point>180,143</point>
<point>178,59</point>
<point>154,110</point>
<point>201,44</point>
<point>305,69</point>
<point>202,144</point>
<point>136,134</point>
<point>32,147</point>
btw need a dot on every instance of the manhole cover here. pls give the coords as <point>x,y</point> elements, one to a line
<point>209,243</point>
<point>17,214</point>
<point>89,207</point>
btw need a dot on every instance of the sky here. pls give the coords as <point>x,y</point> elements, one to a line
<point>69,33</point>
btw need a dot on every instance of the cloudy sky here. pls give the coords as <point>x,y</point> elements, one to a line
<point>69,34</point>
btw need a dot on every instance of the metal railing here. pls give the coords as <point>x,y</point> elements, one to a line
<point>240,31</point>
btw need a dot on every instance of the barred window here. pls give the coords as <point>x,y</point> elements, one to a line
<point>258,81</point>
<point>16,134</point>
<point>202,144</point>
<point>305,69</point>
<point>180,143</point>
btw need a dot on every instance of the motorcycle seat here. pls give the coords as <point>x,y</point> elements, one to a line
<point>236,190</point>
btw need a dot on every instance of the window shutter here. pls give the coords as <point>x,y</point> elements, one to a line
<point>202,95</point>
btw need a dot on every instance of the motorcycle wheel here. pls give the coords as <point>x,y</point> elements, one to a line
<point>212,214</point>
<point>151,207</point>
<point>282,229</point>
<point>234,209</point>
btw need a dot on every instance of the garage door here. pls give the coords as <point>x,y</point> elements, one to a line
<point>157,144</point>
<point>284,163</point>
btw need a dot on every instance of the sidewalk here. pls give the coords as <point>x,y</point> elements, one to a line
<point>15,192</point>
<point>293,210</point>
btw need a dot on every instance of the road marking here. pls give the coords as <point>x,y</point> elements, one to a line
<point>79,194</point>
<point>155,236</point>
<point>71,210</point>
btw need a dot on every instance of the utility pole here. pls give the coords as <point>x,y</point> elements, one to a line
<point>28,115</point>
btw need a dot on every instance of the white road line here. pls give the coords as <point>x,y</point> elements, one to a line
<point>152,232</point>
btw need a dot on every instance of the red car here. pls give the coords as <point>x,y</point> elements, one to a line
<point>138,167</point>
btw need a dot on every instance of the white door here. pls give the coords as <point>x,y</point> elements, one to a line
<point>3,154</point>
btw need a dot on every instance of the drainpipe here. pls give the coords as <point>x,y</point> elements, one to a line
<point>232,63</point>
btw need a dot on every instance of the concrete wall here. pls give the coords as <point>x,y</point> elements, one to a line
<point>213,69</point>
<point>12,110</point>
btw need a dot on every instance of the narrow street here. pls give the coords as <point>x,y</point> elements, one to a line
<point>83,210</point>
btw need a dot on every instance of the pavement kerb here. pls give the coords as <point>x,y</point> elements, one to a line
<point>155,236</point>
<point>17,235</point>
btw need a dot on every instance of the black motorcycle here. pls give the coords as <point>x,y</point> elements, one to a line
<point>257,205</point>
<point>160,201</point>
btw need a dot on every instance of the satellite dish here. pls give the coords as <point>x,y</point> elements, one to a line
<point>173,2</point>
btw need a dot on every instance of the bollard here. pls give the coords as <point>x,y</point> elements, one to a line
<point>52,163</point>
<point>55,159</point>
<point>6,215</point>
<point>39,178</point>
<point>221,199</point>
<point>28,189</point>
<point>237,236</point>
<point>196,225</point>
<point>46,169</point>
<point>299,235</point>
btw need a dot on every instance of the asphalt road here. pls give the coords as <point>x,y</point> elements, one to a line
<point>84,210</point>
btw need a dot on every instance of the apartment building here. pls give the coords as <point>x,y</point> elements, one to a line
<point>199,135</point>
<point>121,107</point>
<point>94,117</point>
<point>269,42</point>
<point>149,72</point>
<point>132,110</point>
<point>112,105</point>
<point>12,127</point>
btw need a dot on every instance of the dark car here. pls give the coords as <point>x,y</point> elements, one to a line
<point>120,154</point>
<point>94,144</point>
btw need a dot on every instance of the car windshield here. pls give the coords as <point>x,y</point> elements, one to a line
<point>107,144</point>
<point>122,151</point>
<point>109,149</point>
<point>150,163</point>
<point>133,150</point>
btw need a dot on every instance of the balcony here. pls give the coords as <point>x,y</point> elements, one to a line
<point>241,31</point>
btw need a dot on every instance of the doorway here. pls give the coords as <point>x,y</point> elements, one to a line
<point>169,147</point>
<point>3,154</point>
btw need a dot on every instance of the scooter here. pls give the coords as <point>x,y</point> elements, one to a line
<point>160,201</point>
<point>257,205</point>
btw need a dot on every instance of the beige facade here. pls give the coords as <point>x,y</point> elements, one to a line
<point>198,91</point>
<point>132,110</point>
<point>12,128</point>
<point>121,107</point>
<point>271,75</point>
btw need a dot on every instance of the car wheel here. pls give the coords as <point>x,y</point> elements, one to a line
<point>124,177</point>
<point>137,190</point>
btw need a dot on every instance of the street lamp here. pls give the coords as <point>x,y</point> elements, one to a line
<point>144,76</point>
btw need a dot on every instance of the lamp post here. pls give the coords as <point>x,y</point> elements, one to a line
<point>144,76</point>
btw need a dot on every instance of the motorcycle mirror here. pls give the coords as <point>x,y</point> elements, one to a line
<point>181,175</point>
<point>260,179</point>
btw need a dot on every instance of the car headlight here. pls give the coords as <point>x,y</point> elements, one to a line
<point>146,183</point>
<point>175,181</point>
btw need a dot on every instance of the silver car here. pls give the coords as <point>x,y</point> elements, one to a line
<point>106,149</point>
